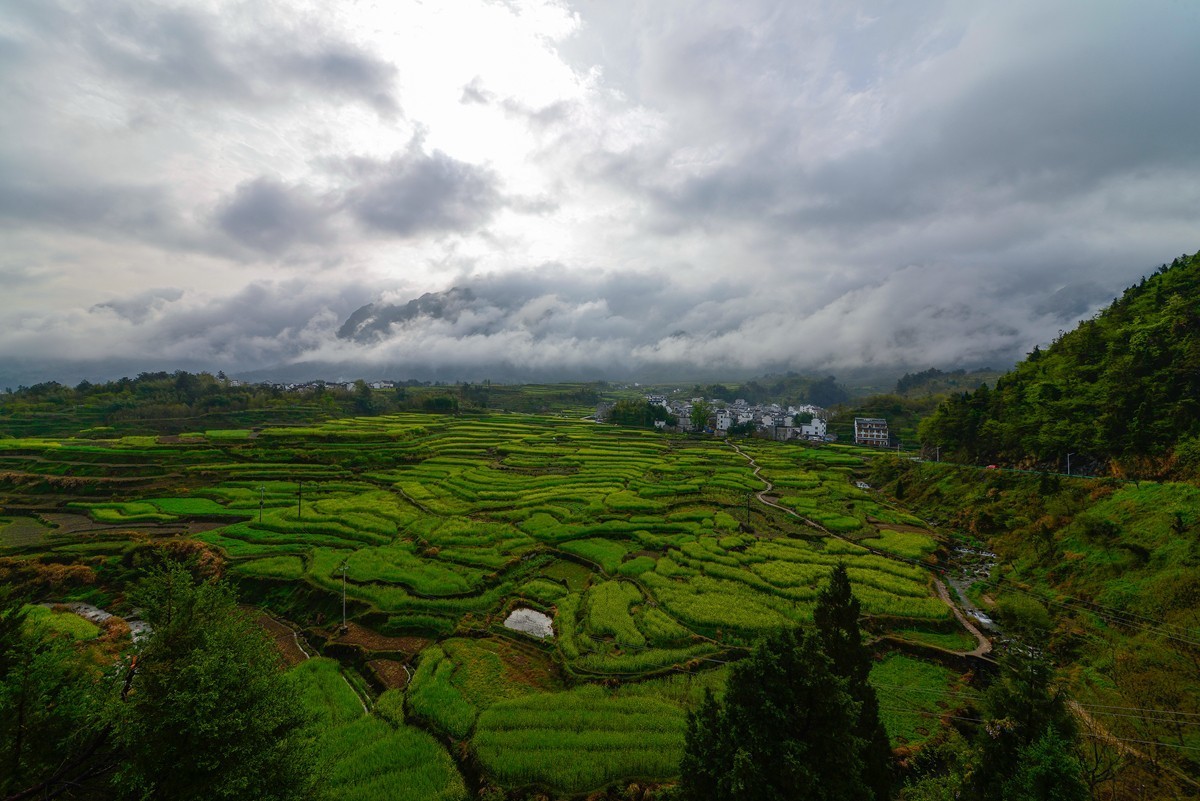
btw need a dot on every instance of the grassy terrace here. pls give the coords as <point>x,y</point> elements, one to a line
<point>643,548</point>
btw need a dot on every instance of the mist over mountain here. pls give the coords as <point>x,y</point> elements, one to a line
<point>528,189</point>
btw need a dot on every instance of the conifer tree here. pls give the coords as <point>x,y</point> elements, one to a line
<point>1028,723</point>
<point>784,730</point>
<point>836,616</point>
<point>210,714</point>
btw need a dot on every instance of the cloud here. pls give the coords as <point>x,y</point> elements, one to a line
<point>621,186</point>
<point>138,308</point>
<point>416,193</point>
<point>221,54</point>
<point>268,215</point>
<point>639,321</point>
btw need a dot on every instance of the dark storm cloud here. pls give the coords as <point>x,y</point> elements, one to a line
<point>1044,124</point>
<point>110,210</point>
<point>270,216</point>
<point>138,308</point>
<point>416,193</point>
<point>733,186</point>
<point>202,58</point>
<point>412,194</point>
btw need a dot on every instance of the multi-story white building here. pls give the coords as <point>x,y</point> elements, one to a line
<point>871,431</point>
<point>814,430</point>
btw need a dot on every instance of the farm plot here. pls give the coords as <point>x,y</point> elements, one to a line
<point>649,552</point>
<point>580,740</point>
<point>367,756</point>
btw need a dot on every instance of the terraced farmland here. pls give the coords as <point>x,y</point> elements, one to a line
<point>650,552</point>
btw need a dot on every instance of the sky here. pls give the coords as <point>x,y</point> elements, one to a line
<point>598,188</point>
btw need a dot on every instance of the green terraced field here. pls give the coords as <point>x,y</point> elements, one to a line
<point>649,552</point>
<point>365,756</point>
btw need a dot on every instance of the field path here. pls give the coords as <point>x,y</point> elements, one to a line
<point>984,645</point>
<point>279,631</point>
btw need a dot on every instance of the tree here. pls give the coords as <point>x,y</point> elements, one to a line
<point>210,715</point>
<point>783,731</point>
<point>1025,711</point>
<point>836,616</point>
<point>703,763</point>
<point>1047,770</point>
<point>700,413</point>
<point>52,732</point>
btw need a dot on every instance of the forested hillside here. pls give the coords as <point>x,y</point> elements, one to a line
<point>1121,392</point>
<point>1102,576</point>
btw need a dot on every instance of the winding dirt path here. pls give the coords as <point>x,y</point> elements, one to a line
<point>984,645</point>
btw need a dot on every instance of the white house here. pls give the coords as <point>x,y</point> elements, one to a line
<point>814,430</point>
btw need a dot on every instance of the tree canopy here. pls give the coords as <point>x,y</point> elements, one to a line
<point>1120,388</point>
<point>202,711</point>
<point>210,715</point>
<point>836,616</point>
<point>783,731</point>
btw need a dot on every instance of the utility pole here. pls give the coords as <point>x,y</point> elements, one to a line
<point>937,453</point>
<point>261,499</point>
<point>1069,455</point>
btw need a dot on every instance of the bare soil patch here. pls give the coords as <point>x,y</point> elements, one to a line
<point>284,637</point>
<point>526,665</point>
<point>390,673</point>
<point>371,640</point>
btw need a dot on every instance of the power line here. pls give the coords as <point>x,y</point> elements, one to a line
<point>1093,735</point>
<point>1151,716</point>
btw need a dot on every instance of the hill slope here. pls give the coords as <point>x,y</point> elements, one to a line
<point>1121,392</point>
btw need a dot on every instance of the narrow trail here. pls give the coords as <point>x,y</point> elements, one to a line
<point>300,643</point>
<point>984,646</point>
<point>1099,732</point>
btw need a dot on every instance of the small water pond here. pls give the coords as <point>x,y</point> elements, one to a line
<point>530,621</point>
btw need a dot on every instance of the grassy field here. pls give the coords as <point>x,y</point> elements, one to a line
<point>641,547</point>
<point>370,756</point>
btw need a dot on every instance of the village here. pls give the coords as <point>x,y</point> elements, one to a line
<point>768,420</point>
<point>771,420</point>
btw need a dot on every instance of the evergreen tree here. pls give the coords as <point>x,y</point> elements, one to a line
<point>836,616</point>
<point>1047,770</point>
<point>784,730</point>
<point>210,715</point>
<point>706,754</point>
<point>1026,718</point>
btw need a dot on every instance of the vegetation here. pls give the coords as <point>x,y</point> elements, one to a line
<point>784,730</point>
<point>1119,392</point>
<point>790,388</point>
<point>836,617</point>
<point>362,756</point>
<point>203,712</point>
<point>208,714</point>
<point>1101,575</point>
<point>641,546</point>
